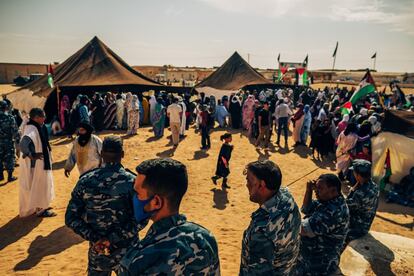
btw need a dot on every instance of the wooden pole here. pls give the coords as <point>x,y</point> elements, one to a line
<point>58,100</point>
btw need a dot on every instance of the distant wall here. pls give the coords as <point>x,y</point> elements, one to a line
<point>174,74</point>
<point>9,71</point>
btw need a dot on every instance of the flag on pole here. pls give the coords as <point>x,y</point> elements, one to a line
<point>381,97</point>
<point>346,108</point>
<point>387,167</point>
<point>306,60</point>
<point>50,76</point>
<point>336,49</point>
<point>366,86</point>
<point>400,96</point>
<point>374,55</point>
<point>278,58</point>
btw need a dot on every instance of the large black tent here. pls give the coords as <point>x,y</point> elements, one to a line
<point>233,75</point>
<point>95,67</point>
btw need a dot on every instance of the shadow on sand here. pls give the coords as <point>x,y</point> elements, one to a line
<point>199,154</point>
<point>57,241</point>
<point>220,198</point>
<point>16,229</point>
<point>58,165</point>
<point>394,208</point>
<point>167,153</point>
<point>376,253</point>
<point>61,141</point>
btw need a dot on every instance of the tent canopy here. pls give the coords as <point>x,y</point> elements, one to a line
<point>234,74</point>
<point>401,154</point>
<point>95,66</point>
<point>399,121</point>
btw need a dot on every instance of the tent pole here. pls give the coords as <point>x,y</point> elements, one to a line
<point>58,99</point>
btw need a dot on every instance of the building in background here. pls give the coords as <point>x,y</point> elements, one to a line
<point>10,71</point>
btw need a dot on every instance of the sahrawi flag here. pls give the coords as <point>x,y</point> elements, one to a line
<point>366,86</point>
<point>387,173</point>
<point>50,76</point>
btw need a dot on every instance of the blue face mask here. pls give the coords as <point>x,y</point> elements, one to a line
<point>139,212</point>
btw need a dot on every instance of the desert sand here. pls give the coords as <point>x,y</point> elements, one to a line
<point>34,246</point>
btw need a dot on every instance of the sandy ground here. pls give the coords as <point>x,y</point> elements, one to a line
<point>6,88</point>
<point>33,246</point>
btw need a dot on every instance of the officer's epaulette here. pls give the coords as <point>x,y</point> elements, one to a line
<point>128,170</point>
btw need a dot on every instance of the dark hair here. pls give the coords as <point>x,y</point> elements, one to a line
<point>331,180</point>
<point>364,174</point>
<point>351,128</point>
<point>267,171</point>
<point>225,136</point>
<point>165,177</point>
<point>36,112</point>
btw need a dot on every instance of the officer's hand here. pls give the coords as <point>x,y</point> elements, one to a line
<point>67,173</point>
<point>36,156</point>
<point>102,246</point>
<point>310,185</point>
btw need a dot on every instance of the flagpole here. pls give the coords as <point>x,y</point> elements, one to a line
<point>375,60</point>
<point>58,100</point>
<point>333,65</point>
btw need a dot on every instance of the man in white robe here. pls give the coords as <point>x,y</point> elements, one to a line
<point>152,103</point>
<point>85,152</point>
<point>36,179</point>
<point>120,103</point>
<point>183,117</point>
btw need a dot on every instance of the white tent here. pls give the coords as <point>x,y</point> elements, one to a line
<point>401,154</point>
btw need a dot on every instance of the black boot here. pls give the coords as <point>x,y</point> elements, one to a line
<point>10,177</point>
<point>214,178</point>
<point>224,184</point>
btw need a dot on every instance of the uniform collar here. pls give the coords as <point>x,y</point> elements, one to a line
<point>333,200</point>
<point>114,166</point>
<point>265,207</point>
<point>167,223</point>
<point>271,202</point>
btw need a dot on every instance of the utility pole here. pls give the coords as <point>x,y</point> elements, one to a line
<point>248,58</point>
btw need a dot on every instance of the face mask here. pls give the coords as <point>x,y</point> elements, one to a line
<point>139,212</point>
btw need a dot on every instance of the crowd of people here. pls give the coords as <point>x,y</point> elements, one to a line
<point>110,205</point>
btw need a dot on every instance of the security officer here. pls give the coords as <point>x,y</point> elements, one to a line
<point>362,200</point>
<point>101,210</point>
<point>173,245</point>
<point>271,242</point>
<point>324,227</point>
<point>8,134</point>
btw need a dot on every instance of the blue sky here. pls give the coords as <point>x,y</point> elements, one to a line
<point>207,32</point>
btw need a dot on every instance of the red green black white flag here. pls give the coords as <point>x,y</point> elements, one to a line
<point>50,76</point>
<point>366,86</point>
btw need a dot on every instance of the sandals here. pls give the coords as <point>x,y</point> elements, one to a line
<point>48,213</point>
